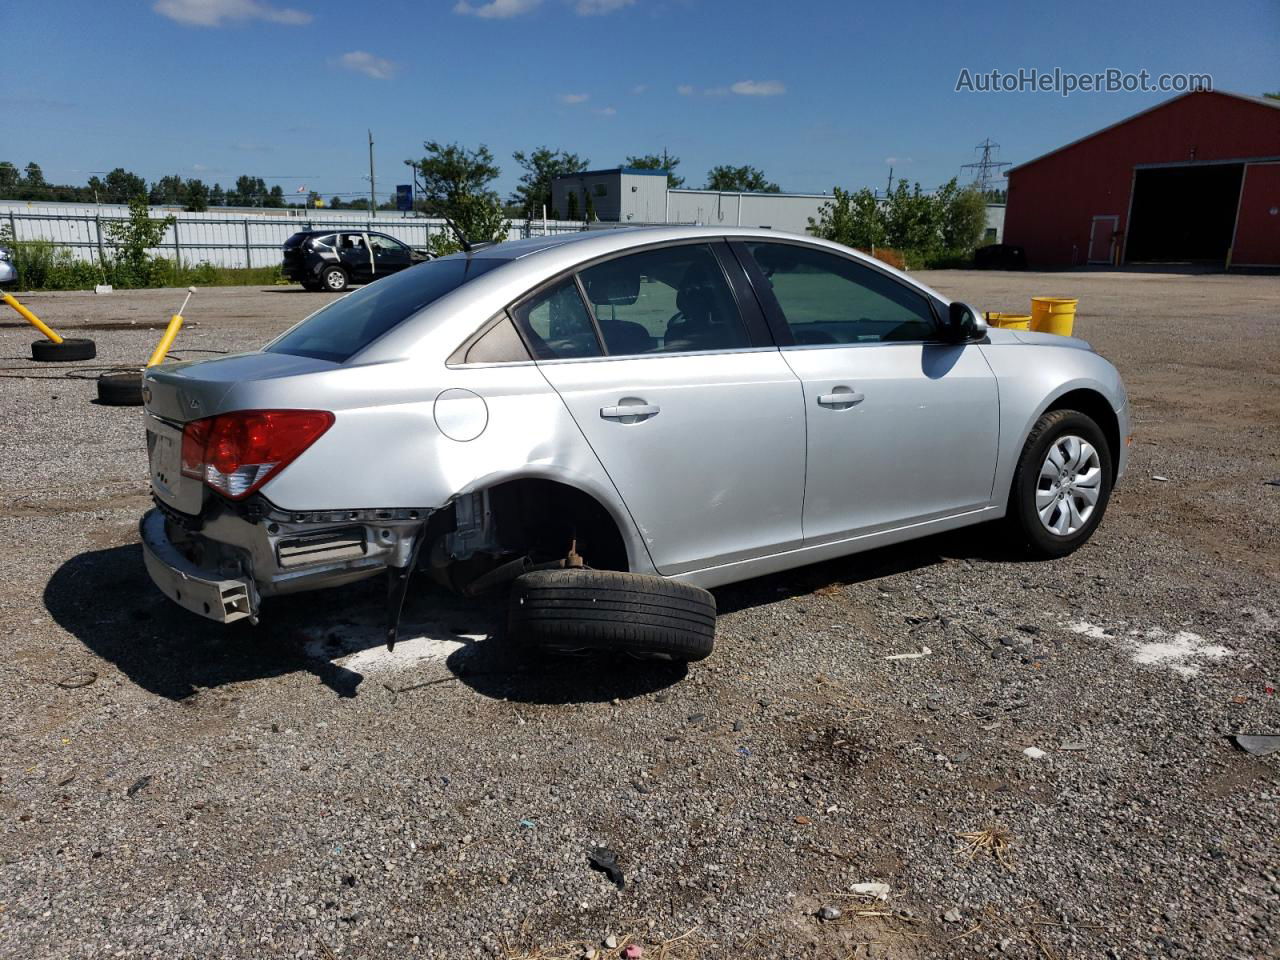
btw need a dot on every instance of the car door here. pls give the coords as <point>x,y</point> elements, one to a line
<point>389,255</point>
<point>355,256</point>
<point>902,426</point>
<point>684,398</point>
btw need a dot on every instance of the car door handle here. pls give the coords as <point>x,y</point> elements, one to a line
<point>845,399</point>
<point>622,411</point>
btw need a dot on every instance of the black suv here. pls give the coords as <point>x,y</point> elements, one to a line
<point>331,259</point>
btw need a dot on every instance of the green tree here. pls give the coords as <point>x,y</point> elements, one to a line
<point>248,192</point>
<point>132,241</point>
<point>589,210</point>
<point>275,196</point>
<point>747,179</point>
<point>455,183</point>
<point>1275,95</point>
<point>34,176</point>
<point>217,196</point>
<point>167,190</point>
<point>541,166</point>
<point>9,177</point>
<point>195,196</point>
<point>963,216</point>
<point>853,218</point>
<point>655,161</point>
<point>571,206</point>
<point>120,186</point>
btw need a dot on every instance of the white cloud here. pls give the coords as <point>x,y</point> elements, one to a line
<point>639,88</point>
<point>494,9</point>
<point>891,161</point>
<point>606,111</point>
<point>593,8</point>
<point>212,13</point>
<point>574,97</point>
<point>750,88</point>
<point>685,90</point>
<point>361,61</point>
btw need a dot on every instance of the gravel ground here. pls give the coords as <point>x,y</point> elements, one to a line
<point>292,790</point>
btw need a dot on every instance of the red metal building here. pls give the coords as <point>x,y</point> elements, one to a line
<point>1195,179</point>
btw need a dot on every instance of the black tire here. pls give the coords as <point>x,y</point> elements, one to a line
<point>46,351</point>
<point>333,279</point>
<point>576,611</point>
<point>120,388</point>
<point>1023,518</point>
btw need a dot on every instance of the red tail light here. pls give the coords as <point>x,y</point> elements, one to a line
<point>236,453</point>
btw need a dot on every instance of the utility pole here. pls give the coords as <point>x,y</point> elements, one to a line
<point>889,189</point>
<point>373,204</point>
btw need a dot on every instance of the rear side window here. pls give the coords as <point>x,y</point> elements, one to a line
<point>557,325</point>
<point>347,326</point>
<point>668,300</point>
<point>831,300</point>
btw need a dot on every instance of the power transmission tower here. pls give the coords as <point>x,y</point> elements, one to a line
<point>985,169</point>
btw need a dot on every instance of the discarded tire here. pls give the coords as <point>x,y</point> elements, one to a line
<point>47,351</point>
<point>575,611</point>
<point>121,388</point>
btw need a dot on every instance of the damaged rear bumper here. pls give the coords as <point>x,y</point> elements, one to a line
<point>191,587</point>
<point>224,567</point>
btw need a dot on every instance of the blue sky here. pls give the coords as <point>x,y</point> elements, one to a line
<point>815,93</point>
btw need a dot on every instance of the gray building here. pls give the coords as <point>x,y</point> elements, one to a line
<point>620,195</point>
<point>629,195</point>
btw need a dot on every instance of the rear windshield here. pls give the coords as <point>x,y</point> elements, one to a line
<point>345,327</point>
<point>296,240</point>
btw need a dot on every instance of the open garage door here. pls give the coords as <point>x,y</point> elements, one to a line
<point>1183,214</point>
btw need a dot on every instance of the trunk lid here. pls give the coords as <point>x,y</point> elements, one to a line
<point>194,389</point>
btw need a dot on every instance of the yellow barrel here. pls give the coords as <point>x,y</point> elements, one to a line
<point>1053,315</point>
<point>1010,321</point>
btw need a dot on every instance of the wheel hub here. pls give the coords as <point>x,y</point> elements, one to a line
<point>1069,485</point>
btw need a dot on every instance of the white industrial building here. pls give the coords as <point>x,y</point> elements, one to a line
<point>631,195</point>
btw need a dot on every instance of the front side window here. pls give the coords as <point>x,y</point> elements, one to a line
<point>829,299</point>
<point>557,325</point>
<point>669,300</point>
<point>346,326</point>
<point>385,244</point>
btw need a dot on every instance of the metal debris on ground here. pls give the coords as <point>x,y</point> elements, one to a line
<point>139,784</point>
<point>924,652</point>
<point>1259,746</point>
<point>606,861</point>
<point>829,912</point>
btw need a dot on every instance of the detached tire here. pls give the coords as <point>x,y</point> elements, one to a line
<point>120,388</point>
<point>576,611</point>
<point>46,351</point>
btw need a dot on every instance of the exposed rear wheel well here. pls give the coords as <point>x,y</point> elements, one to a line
<point>1098,409</point>
<point>534,518</point>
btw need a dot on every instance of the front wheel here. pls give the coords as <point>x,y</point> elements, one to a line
<point>1062,484</point>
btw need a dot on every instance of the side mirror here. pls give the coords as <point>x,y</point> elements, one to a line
<point>965,323</point>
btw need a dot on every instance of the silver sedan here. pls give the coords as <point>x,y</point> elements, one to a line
<point>702,405</point>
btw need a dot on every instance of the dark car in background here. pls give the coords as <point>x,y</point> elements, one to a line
<point>332,259</point>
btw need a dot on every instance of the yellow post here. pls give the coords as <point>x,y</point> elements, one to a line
<point>166,341</point>
<point>30,317</point>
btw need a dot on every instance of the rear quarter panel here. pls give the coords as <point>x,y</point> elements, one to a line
<point>413,434</point>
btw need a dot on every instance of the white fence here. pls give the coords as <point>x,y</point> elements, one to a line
<point>227,237</point>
